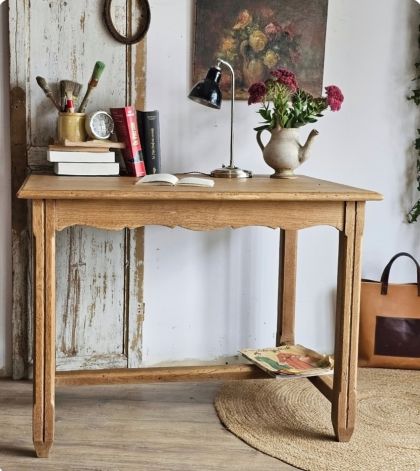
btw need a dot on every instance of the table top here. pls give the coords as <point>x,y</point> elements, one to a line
<point>257,188</point>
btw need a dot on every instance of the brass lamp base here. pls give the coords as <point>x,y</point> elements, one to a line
<point>231,172</point>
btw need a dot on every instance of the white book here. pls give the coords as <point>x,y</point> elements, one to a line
<point>86,169</point>
<point>168,179</point>
<point>96,157</point>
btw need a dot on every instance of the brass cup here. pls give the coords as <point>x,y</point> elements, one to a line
<point>71,126</point>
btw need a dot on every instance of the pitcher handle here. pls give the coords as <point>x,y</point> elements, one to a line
<point>260,143</point>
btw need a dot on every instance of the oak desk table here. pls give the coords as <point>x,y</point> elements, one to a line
<point>115,203</point>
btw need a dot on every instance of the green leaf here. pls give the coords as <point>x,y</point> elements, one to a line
<point>265,114</point>
<point>414,213</point>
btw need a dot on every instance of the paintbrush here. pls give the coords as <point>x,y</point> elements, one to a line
<point>76,92</point>
<point>47,90</point>
<point>96,75</point>
<point>66,89</point>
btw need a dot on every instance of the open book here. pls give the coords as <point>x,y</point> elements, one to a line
<point>168,179</point>
<point>290,361</point>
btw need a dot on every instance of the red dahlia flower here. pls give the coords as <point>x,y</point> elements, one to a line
<point>287,78</point>
<point>334,97</point>
<point>256,92</point>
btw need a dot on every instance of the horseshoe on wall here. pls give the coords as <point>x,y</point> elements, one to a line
<point>143,27</point>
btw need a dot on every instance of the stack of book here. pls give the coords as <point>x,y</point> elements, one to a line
<point>140,133</point>
<point>83,161</point>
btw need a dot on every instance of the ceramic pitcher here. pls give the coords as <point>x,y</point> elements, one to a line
<point>284,153</point>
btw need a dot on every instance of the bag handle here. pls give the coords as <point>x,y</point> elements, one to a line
<point>387,269</point>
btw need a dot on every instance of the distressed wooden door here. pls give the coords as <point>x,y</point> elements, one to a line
<point>99,273</point>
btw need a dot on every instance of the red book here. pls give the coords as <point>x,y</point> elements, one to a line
<point>125,120</point>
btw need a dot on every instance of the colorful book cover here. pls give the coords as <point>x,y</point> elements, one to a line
<point>290,360</point>
<point>125,120</point>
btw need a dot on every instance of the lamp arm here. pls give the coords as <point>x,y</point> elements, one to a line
<point>232,107</point>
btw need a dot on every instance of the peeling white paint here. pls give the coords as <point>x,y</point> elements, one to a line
<point>95,303</point>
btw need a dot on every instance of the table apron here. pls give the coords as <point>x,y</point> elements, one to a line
<point>198,215</point>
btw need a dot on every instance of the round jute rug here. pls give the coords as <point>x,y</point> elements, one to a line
<point>290,420</point>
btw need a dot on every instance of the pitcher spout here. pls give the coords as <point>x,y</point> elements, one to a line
<point>304,151</point>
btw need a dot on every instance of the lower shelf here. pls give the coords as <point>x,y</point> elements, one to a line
<point>178,373</point>
<point>160,374</point>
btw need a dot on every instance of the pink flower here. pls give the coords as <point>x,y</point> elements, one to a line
<point>256,92</point>
<point>334,97</point>
<point>285,77</point>
<point>272,29</point>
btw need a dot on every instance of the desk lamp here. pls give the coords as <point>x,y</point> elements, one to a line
<point>207,92</point>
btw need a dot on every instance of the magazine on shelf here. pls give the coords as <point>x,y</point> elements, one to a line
<point>290,361</point>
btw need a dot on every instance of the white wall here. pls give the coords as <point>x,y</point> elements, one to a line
<point>209,294</point>
<point>5,226</point>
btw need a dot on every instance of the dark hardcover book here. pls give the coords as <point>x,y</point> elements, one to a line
<point>149,129</point>
<point>126,128</point>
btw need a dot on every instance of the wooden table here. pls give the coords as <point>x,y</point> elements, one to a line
<point>116,203</point>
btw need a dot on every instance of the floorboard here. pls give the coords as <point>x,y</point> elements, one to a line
<point>151,427</point>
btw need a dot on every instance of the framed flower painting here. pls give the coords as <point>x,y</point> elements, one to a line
<point>259,36</point>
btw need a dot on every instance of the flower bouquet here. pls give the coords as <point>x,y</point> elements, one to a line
<point>284,108</point>
<point>284,104</point>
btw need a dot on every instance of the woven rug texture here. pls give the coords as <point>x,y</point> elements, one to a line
<point>290,420</point>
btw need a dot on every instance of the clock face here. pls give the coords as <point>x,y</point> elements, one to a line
<point>100,125</point>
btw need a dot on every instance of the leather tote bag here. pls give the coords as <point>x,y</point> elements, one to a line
<point>390,322</point>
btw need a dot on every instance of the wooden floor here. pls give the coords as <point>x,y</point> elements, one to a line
<point>165,427</point>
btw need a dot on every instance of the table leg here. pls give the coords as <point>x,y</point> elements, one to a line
<point>44,327</point>
<point>287,287</point>
<point>343,412</point>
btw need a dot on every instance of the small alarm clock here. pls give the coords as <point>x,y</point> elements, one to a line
<point>99,125</point>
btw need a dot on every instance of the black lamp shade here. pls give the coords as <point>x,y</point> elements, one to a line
<point>207,91</point>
